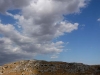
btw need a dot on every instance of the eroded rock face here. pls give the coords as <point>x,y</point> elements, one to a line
<point>40,67</point>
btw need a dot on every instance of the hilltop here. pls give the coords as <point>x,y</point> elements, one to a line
<point>41,67</point>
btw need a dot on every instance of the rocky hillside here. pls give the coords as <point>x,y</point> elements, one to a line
<point>40,67</point>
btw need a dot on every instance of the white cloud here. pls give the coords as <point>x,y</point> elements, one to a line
<point>41,22</point>
<point>66,27</point>
<point>54,56</point>
<point>98,19</point>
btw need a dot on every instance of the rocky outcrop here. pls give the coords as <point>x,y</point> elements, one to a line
<point>40,67</point>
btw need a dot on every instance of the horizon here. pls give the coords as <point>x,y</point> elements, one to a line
<point>51,30</point>
<point>51,61</point>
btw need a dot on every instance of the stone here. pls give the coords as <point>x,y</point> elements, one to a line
<point>41,67</point>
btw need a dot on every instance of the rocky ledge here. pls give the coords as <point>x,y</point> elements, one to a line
<point>41,67</point>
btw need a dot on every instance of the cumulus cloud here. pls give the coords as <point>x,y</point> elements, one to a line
<point>12,4</point>
<point>40,21</point>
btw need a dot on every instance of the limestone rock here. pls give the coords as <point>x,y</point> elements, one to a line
<point>41,67</point>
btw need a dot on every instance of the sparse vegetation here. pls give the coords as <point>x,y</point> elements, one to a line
<point>39,67</point>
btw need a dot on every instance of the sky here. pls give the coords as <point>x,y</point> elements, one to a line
<point>52,30</point>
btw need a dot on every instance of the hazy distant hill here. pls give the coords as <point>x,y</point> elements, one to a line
<point>40,67</point>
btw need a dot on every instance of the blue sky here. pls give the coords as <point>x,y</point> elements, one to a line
<point>85,42</point>
<point>70,33</point>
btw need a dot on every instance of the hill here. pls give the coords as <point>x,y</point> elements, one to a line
<point>41,67</point>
